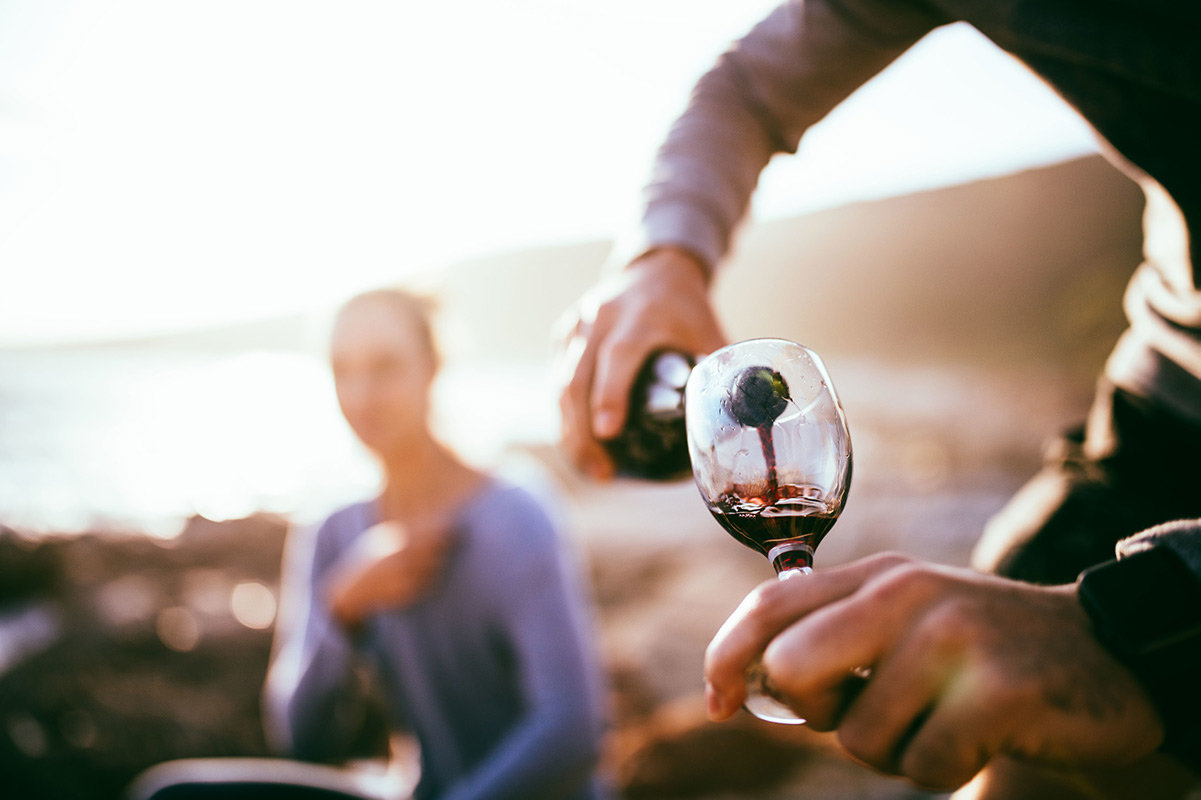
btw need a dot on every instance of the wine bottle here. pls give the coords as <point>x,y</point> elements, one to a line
<point>654,443</point>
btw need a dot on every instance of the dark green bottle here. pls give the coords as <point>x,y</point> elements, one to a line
<point>654,444</point>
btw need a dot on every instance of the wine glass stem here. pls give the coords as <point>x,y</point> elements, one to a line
<point>789,558</point>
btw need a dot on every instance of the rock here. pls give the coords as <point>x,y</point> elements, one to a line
<point>28,568</point>
<point>677,752</point>
<point>146,666</point>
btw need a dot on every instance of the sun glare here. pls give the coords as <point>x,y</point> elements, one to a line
<point>182,164</point>
<point>190,164</point>
<point>253,605</point>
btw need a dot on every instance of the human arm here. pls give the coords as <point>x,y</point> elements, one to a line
<point>660,301</point>
<point>758,100</point>
<point>964,667</point>
<point>551,750</point>
<point>389,566</point>
<point>309,700</point>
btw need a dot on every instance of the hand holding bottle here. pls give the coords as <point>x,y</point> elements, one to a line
<point>659,301</point>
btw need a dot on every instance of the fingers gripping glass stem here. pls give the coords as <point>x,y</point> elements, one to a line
<point>760,696</point>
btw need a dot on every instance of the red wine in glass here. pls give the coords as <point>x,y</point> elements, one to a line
<point>786,530</point>
<point>771,456</point>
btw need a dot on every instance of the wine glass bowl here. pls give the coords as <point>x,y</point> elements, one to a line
<point>771,456</point>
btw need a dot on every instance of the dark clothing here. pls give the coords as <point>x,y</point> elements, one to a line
<point>1140,468</point>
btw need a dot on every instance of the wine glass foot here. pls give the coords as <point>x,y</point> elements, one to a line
<point>761,704</point>
<point>769,710</point>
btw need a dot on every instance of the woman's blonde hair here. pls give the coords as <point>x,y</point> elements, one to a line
<point>419,309</point>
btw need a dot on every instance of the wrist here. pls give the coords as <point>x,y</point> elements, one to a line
<point>1146,610</point>
<point>673,259</point>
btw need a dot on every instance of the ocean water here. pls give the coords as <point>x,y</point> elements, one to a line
<point>139,439</point>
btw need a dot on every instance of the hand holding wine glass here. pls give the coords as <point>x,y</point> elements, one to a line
<point>964,667</point>
<point>771,456</point>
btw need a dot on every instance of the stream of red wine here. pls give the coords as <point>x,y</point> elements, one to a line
<point>769,455</point>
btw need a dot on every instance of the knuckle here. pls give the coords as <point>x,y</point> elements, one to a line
<point>567,406</point>
<point>942,632</point>
<point>577,384</point>
<point>943,756</point>
<point>862,742</point>
<point>788,683</point>
<point>758,617</point>
<point>890,559</point>
<point>906,581</point>
<point>766,601</point>
<point>954,623</point>
<point>622,347</point>
<point>949,617</point>
<point>941,769</point>
<point>757,609</point>
<point>1016,693</point>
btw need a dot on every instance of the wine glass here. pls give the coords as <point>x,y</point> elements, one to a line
<point>771,455</point>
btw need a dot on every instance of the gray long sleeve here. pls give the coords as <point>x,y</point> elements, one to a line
<point>1133,74</point>
<point>758,100</point>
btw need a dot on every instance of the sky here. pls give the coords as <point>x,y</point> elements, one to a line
<point>167,165</point>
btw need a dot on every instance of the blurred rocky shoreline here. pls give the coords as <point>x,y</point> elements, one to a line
<point>119,651</point>
<point>987,310</point>
<point>136,655</point>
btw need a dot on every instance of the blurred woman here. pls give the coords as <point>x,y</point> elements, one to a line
<point>451,588</point>
<point>451,584</point>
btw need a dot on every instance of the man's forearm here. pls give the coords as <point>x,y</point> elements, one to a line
<point>758,100</point>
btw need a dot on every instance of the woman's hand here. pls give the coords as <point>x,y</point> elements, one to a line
<point>390,566</point>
